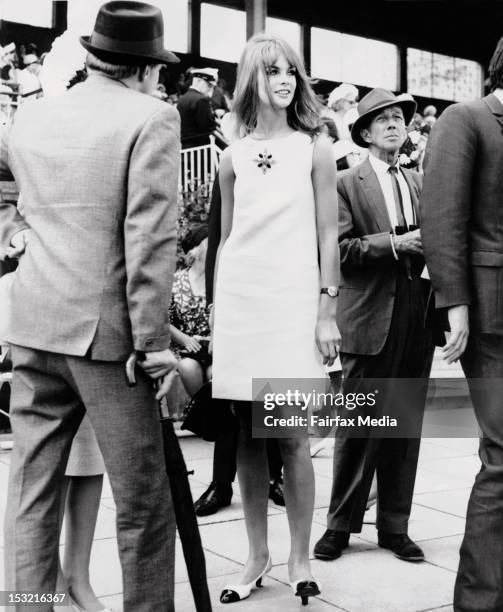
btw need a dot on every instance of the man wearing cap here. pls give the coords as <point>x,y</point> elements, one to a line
<point>196,115</point>
<point>97,168</point>
<point>463,245</point>
<point>381,314</point>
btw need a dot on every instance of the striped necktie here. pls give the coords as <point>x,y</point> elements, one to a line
<point>397,193</point>
<point>400,215</point>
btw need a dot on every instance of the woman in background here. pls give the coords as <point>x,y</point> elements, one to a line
<point>189,315</point>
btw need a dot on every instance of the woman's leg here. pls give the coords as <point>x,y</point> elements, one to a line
<point>253,476</point>
<point>81,512</point>
<point>298,487</point>
<point>191,374</point>
<point>61,585</point>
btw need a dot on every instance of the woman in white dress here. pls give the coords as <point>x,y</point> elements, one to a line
<point>275,288</point>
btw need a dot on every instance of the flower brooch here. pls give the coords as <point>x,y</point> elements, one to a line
<point>264,161</point>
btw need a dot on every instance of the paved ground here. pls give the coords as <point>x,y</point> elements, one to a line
<point>365,579</point>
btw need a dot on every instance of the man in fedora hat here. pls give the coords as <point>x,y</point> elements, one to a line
<point>196,115</point>
<point>97,168</point>
<point>463,245</point>
<point>381,314</point>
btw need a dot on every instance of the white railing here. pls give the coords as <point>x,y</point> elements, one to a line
<point>199,166</point>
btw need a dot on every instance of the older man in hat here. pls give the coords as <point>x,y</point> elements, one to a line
<point>196,115</point>
<point>381,316</point>
<point>97,168</point>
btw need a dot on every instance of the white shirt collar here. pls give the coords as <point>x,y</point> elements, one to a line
<point>499,94</point>
<point>380,167</point>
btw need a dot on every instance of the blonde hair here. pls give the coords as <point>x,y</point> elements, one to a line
<point>259,54</point>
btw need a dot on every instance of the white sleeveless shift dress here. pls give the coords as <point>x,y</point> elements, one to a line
<point>268,282</point>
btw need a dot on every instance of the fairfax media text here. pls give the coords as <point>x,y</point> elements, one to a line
<point>315,420</point>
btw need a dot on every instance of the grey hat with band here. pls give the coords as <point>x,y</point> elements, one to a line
<point>128,33</point>
<point>375,101</point>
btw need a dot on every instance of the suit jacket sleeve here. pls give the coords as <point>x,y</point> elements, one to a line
<point>150,229</point>
<point>359,251</point>
<point>445,205</point>
<point>214,226</point>
<point>204,116</point>
<point>11,221</point>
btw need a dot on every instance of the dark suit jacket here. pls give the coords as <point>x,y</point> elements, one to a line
<point>462,206</point>
<point>368,266</point>
<point>197,120</point>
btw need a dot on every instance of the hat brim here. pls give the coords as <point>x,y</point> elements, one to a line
<point>408,107</point>
<point>205,78</point>
<point>119,57</point>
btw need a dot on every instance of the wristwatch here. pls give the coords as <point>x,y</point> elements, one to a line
<point>331,291</point>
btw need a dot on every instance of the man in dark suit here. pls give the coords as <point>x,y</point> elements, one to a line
<point>381,316</point>
<point>196,114</point>
<point>97,168</point>
<point>463,243</point>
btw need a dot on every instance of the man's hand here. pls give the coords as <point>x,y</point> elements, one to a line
<point>328,339</point>
<point>160,365</point>
<point>18,244</point>
<point>460,327</point>
<point>410,243</point>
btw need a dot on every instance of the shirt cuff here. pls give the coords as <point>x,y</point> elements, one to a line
<point>393,247</point>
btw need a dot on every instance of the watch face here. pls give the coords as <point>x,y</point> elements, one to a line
<point>330,291</point>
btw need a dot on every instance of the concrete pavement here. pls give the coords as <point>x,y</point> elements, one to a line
<point>364,579</point>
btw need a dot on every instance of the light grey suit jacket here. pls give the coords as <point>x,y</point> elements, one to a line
<point>97,169</point>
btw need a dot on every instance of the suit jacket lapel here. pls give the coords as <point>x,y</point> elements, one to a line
<point>374,195</point>
<point>495,107</point>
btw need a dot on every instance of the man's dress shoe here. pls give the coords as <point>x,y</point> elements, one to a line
<point>331,545</point>
<point>403,547</point>
<point>276,492</point>
<point>215,497</point>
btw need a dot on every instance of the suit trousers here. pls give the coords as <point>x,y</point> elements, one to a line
<point>407,353</point>
<point>50,394</point>
<point>479,584</point>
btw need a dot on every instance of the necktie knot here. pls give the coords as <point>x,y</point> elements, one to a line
<point>393,169</point>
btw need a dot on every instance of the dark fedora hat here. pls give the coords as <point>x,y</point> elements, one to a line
<point>128,33</point>
<point>375,101</point>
